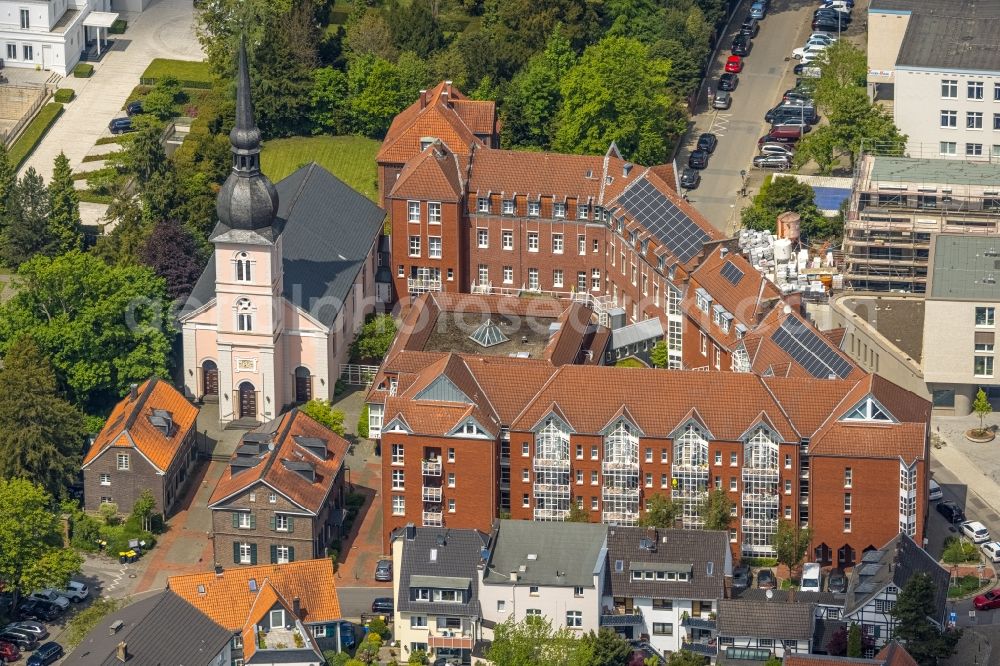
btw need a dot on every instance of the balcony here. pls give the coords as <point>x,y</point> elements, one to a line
<point>621,491</point>
<point>282,638</point>
<point>619,616</point>
<point>550,514</point>
<point>625,518</point>
<point>432,494</point>
<point>609,466</point>
<point>759,498</point>
<point>804,498</point>
<point>689,494</point>
<point>431,467</point>
<point>560,489</point>
<point>421,286</point>
<point>705,624</point>
<point>757,524</point>
<point>557,464</point>
<point>432,518</point>
<point>453,639</point>
<point>701,470</point>
<point>707,648</point>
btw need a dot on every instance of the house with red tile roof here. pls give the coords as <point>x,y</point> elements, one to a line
<point>148,442</point>
<point>281,498</point>
<point>893,654</point>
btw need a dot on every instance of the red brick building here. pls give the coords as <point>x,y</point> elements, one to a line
<point>469,434</point>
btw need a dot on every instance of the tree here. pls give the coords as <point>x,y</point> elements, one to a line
<point>322,412</point>
<point>661,512</point>
<point>83,622</point>
<point>40,433</point>
<point>161,99</point>
<point>375,338</point>
<point>414,28</point>
<point>820,147</point>
<point>171,252</point>
<point>521,27</point>
<point>375,95</point>
<point>104,327</point>
<point>533,641</point>
<point>772,661</point>
<point>220,25</point>
<point>659,355</point>
<point>595,113</point>
<point>143,509</point>
<point>791,544</point>
<point>914,608</point>
<point>370,35</point>
<point>328,101</point>
<point>31,552</point>
<point>577,514</point>
<point>685,658</point>
<point>783,194</point>
<point>363,422</point>
<point>982,408</point>
<point>8,183</point>
<point>124,245</point>
<point>837,645</point>
<point>608,648</point>
<point>418,657</point>
<point>855,646</point>
<point>27,231</point>
<point>64,208</point>
<point>143,156</point>
<point>843,66</point>
<point>717,510</point>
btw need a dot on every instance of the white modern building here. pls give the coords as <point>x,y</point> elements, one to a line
<point>51,34</point>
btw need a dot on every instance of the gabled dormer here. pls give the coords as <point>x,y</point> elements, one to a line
<point>443,389</point>
<point>869,410</point>
<point>554,417</point>
<point>469,427</point>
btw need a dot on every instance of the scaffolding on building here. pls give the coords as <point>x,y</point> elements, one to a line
<point>620,468</point>
<point>551,466</point>
<point>689,474</point>
<point>760,494</point>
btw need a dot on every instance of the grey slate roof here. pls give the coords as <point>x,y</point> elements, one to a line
<point>818,598</point>
<point>964,267</point>
<point>153,630</point>
<point>553,554</point>
<point>693,548</point>
<point>766,619</point>
<point>327,233</point>
<point>894,564</point>
<point>454,567</point>
<point>640,331</point>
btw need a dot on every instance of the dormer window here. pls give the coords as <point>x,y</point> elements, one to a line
<point>483,205</point>
<point>242,267</point>
<point>868,410</point>
<point>508,207</point>
<point>702,299</point>
<point>244,316</point>
<point>582,211</point>
<point>534,208</point>
<point>558,210</point>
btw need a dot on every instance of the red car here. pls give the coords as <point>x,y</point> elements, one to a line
<point>734,64</point>
<point>8,652</point>
<point>987,601</point>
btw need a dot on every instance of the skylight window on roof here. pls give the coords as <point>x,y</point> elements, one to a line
<point>488,334</point>
<point>869,410</point>
<point>253,584</point>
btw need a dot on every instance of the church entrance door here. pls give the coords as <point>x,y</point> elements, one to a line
<point>303,385</point>
<point>248,401</point>
<point>210,373</point>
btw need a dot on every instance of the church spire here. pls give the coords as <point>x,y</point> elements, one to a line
<point>247,200</point>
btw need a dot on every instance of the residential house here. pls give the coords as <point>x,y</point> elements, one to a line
<point>436,590</point>
<point>159,629</point>
<point>264,607</point>
<point>281,498</point>
<point>290,281</point>
<point>554,570</point>
<point>756,630</point>
<point>875,583</point>
<point>664,585</point>
<point>147,443</point>
<point>51,34</point>
<point>893,654</point>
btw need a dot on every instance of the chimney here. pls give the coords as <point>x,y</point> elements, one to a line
<point>423,98</point>
<point>133,392</point>
<point>218,569</point>
<point>723,251</point>
<point>297,608</point>
<point>122,652</point>
<point>448,87</point>
<point>411,532</point>
<point>626,168</point>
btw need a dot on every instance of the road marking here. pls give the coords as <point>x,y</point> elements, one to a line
<point>720,124</point>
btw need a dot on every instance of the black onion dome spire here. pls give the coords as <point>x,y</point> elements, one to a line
<point>247,200</point>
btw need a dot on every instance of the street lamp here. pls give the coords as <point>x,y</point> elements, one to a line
<point>743,187</point>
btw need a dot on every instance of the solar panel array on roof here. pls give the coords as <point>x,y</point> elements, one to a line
<point>731,273</point>
<point>809,350</point>
<point>661,216</point>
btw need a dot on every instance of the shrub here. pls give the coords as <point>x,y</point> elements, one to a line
<point>322,412</point>
<point>64,95</point>
<point>83,70</point>
<point>378,627</point>
<point>118,27</point>
<point>958,551</point>
<point>109,513</point>
<point>334,658</point>
<point>34,132</point>
<point>363,422</point>
<point>417,657</point>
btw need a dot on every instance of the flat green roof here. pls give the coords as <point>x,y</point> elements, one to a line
<point>941,172</point>
<point>966,267</point>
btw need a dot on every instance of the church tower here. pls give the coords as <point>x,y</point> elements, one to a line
<point>248,280</point>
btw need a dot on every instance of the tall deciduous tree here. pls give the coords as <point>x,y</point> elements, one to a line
<point>64,208</point>
<point>783,194</point>
<point>40,433</point>
<point>370,35</point>
<point>328,101</point>
<point>27,233</point>
<point>415,28</point>
<point>534,97</point>
<point>791,543</point>
<point>376,95</point>
<point>595,112</point>
<point>374,338</point>
<point>608,648</point>
<point>577,514</point>
<point>915,605</point>
<point>717,510</point>
<point>534,641</point>
<point>659,356</point>
<point>662,512</point>
<point>104,327</point>
<point>220,24</point>
<point>31,552</point>
<point>172,253</point>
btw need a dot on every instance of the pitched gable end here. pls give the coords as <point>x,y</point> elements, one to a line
<point>444,390</point>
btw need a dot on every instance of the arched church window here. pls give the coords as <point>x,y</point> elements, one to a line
<point>242,267</point>
<point>244,315</point>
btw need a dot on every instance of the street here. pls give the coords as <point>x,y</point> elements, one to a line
<point>765,76</point>
<point>357,600</point>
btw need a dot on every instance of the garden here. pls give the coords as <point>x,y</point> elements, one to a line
<point>110,533</point>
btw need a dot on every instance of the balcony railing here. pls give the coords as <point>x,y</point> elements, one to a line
<point>758,523</point>
<point>759,498</point>
<point>620,491</point>
<point>560,489</point>
<point>420,286</point>
<point>432,494</point>
<point>559,464</point>
<point>625,518</point>
<point>707,649</point>
<point>689,494</point>
<point>431,467</point>
<point>620,465</point>
<point>701,470</point>
<point>550,514</point>
<point>707,624</point>
<point>432,518</point>
<point>620,617</point>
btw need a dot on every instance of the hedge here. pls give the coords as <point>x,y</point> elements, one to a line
<point>110,139</point>
<point>34,132</point>
<point>64,95</point>
<point>189,73</point>
<point>97,158</point>
<point>86,196</point>
<point>83,70</point>
<point>118,27</point>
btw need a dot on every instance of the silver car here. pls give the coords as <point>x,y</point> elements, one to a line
<point>776,149</point>
<point>772,162</point>
<point>723,100</point>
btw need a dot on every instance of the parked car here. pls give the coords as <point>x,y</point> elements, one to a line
<point>707,142</point>
<point>952,512</point>
<point>134,108</point>
<point>698,159</point>
<point>825,24</point>
<point>836,7</point>
<point>723,100</point>
<point>772,161</point>
<point>792,121</point>
<point>729,81</point>
<point>837,3</point>
<point>808,49</point>
<point>690,178</point>
<point>8,652</point>
<point>734,64</point>
<point>347,639</point>
<point>812,577</point>
<point>50,596</point>
<point>36,629</point>
<point>750,27</point>
<point>836,581</point>
<point>21,640</point>
<point>75,591</point>
<point>790,110</point>
<point>758,10</point>
<point>784,134</point>
<point>987,601</point>
<point>741,45</point>
<point>46,654</point>
<point>934,493</point>
<point>832,14</point>
<point>797,96</point>
<point>776,149</point>
<point>766,580</point>
<point>36,609</point>
<point>808,70</point>
<point>742,577</point>
<point>120,125</point>
<point>382,605</point>
<point>821,38</point>
<point>991,549</point>
<point>975,530</point>
<point>383,570</point>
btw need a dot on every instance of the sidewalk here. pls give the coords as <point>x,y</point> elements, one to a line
<point>975,465</point>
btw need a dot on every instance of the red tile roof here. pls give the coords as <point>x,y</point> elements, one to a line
<point>479,115</point>
<point>894,654</point>
<point>767,356</point>
<point>129,426</point>
<point>436,173</point>
<point>271,469</point>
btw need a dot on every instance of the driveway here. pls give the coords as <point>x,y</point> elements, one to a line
<point>164,30</point>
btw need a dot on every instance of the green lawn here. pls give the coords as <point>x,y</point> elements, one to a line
<point>34,132</point>
<point>349,158</point>
<point>188,72</point>
<point>966,585</point>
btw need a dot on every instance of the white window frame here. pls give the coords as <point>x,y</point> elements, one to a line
<point>280,522</point>
<point>557,243</point>
<point>105,479</point>
<point>434,247</point>
<point>532,241</point>
<point>123,462</point>
<point>434,212</point>
<point>414,246</point>
<point>507,239</point>
<point>534,208</point>
<point>398,505</point>
<point>413,211</point>
<point>483,237</point>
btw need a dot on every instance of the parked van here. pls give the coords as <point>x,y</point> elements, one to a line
<point>812,579</point>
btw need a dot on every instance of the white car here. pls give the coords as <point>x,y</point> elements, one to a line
<point>824,37</point>
<point>935,491</point>
<point>991,549</point>
<point>837,6</point>
<point>809,50</point>
<point>75,591</point>
<point>52,597</point>
<point>975,530</point>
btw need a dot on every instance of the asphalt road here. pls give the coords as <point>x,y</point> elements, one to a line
<point>357,600</point>
<point>766,74</point>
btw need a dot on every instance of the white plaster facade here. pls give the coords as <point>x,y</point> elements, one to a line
<point>951,334</point>
<point>46,34</point>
